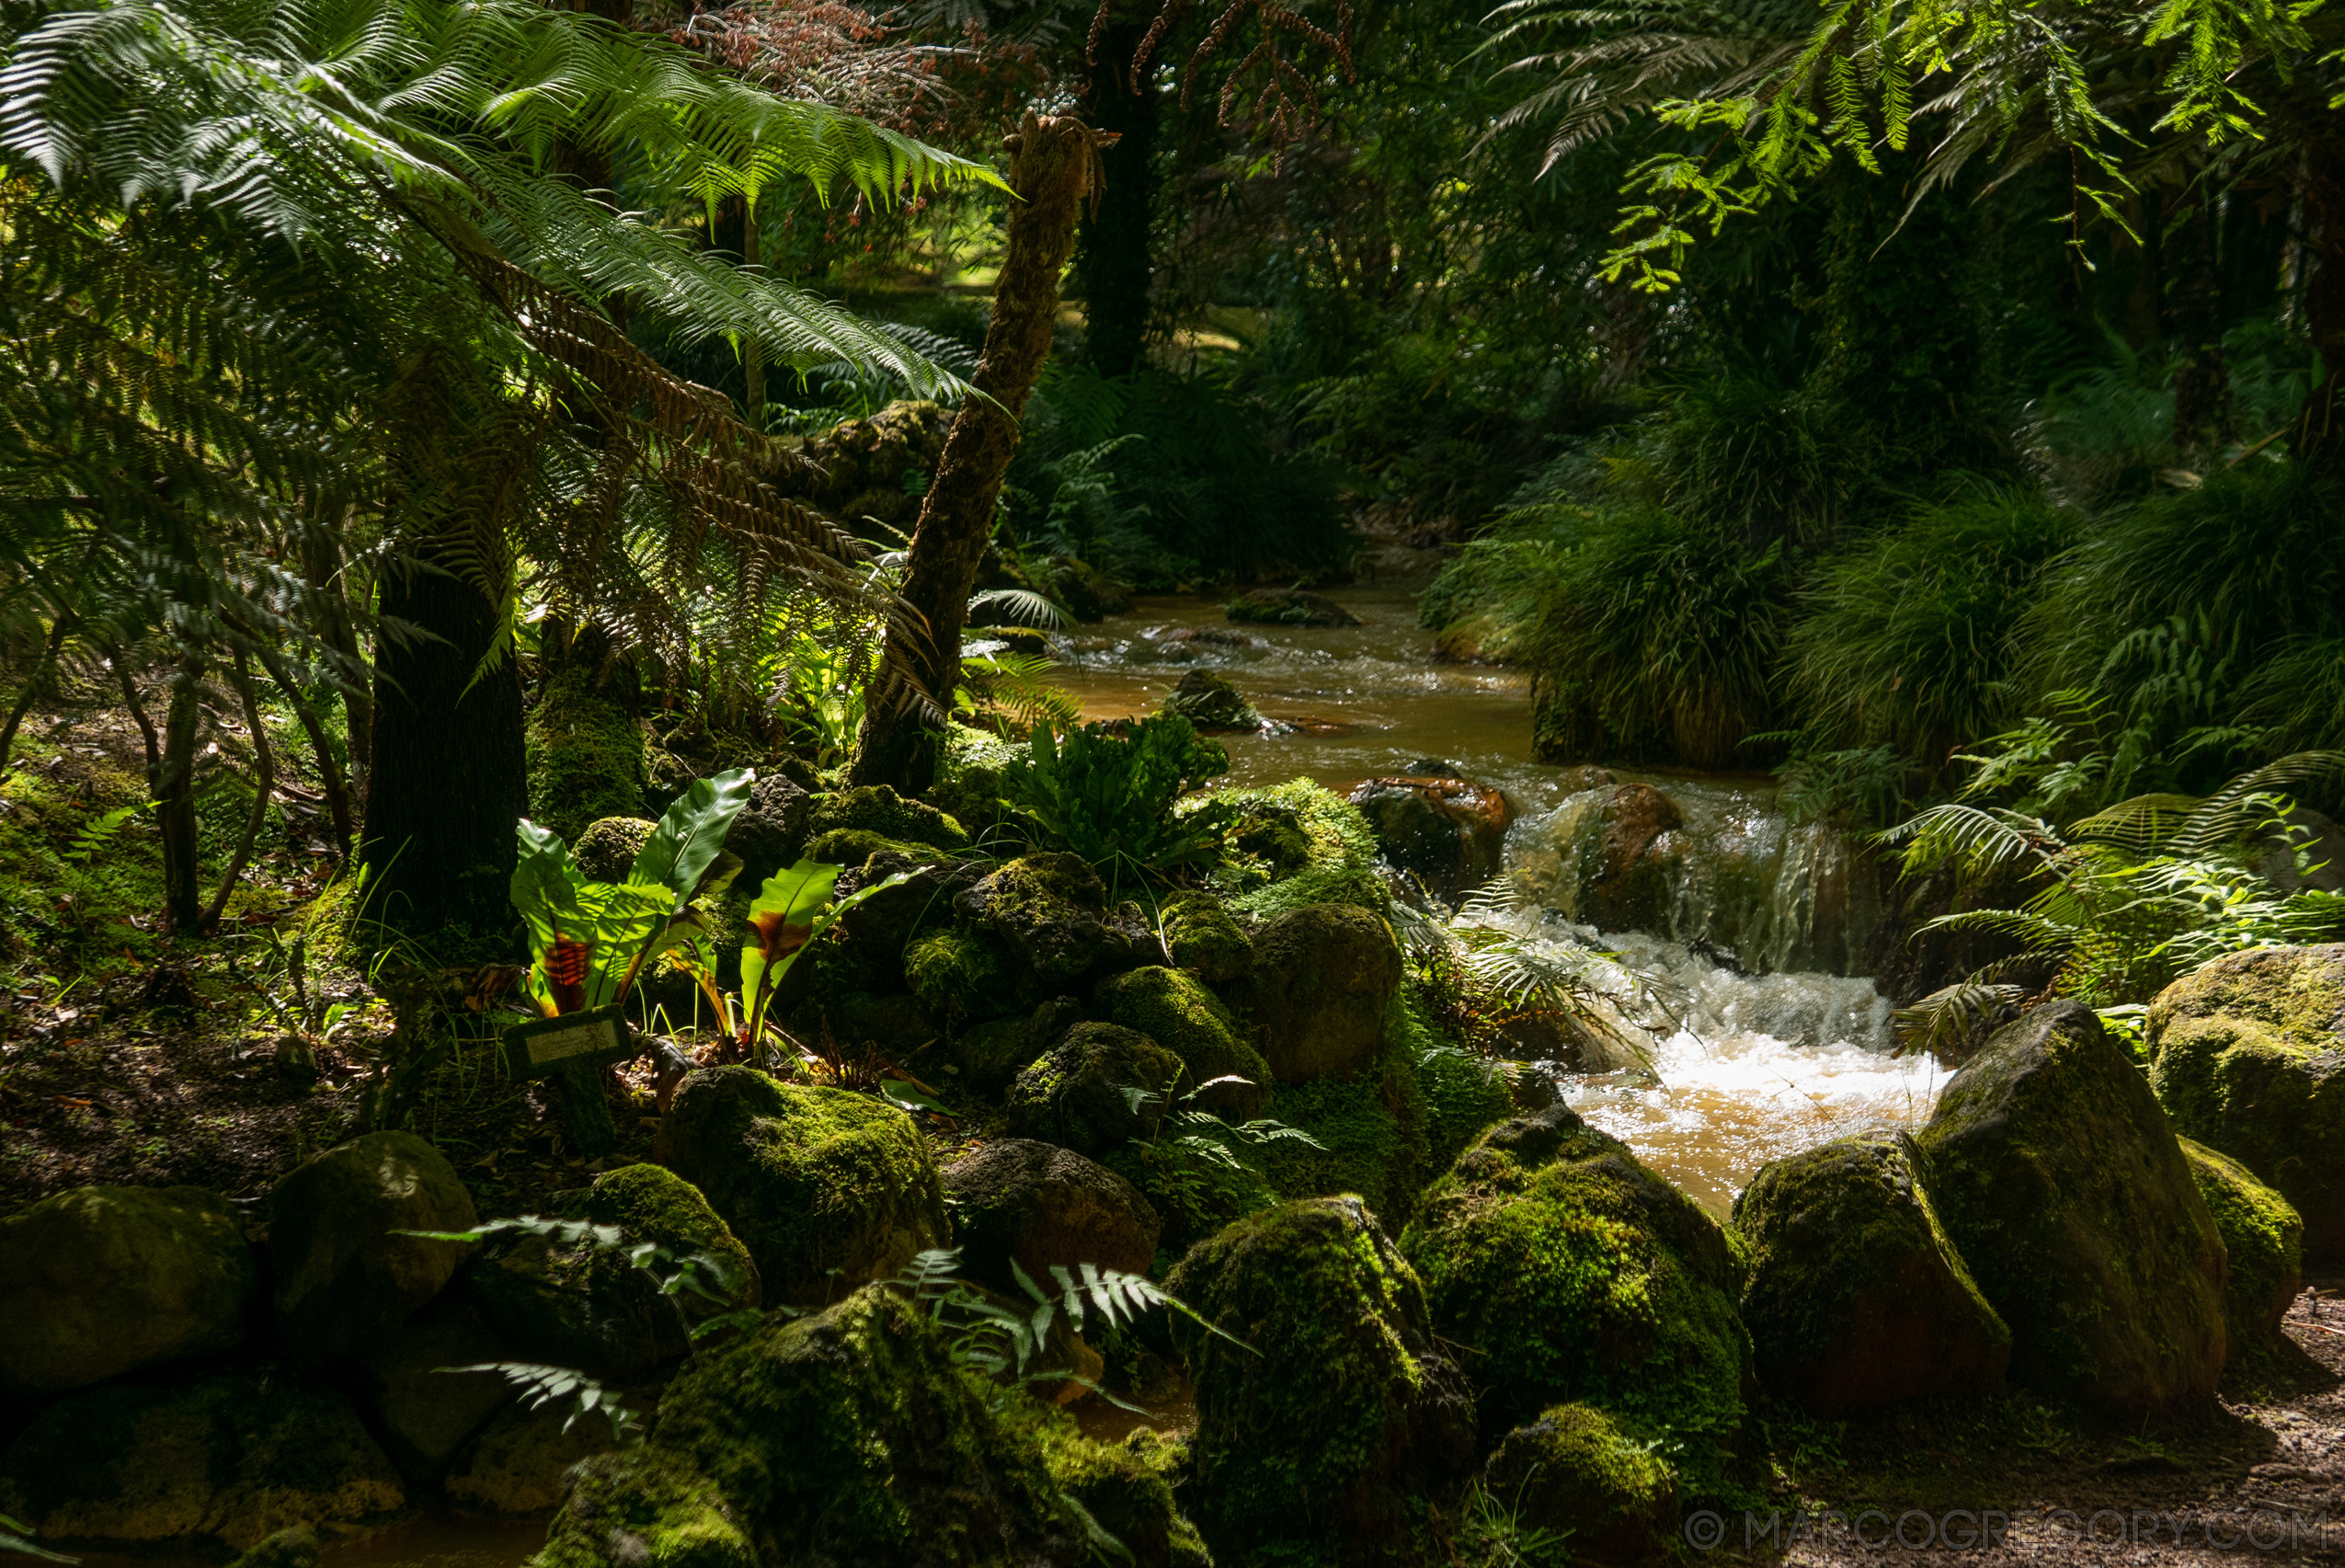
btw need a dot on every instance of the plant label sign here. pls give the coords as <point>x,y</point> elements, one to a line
<point>593,1039</point>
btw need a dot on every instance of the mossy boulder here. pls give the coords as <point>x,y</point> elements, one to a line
<point>1366,1136</point>
<point>1296,843</point>
<point>1205,938</point>
<point>586,754</point>
<point>1570,1273</point>
<point>420,1410</point>
<point>1590,1475</point>
<point>826,1188</point>
<point>1288,607</point>
<point>606,851</point>
<point>957,975</point>
<point>514,1468</point>
<point>878,810</point>
<point>1210,703</point>
<point>1126,1487</point>
<point>196,1465</point>
<point>1085,591</point>
<point>1076,1094</point>
<point>2247,1055</point>
<point>343,1280</point>
<point>101,1280</point>
<point>1321,990</point>
<point>846,1437</point>
<point>770,831</point>
<point>1174,1008</point>
<point>1045,917</point>
<point>1325,1433</point>
<point>989,1055</point>
<point>2263,1242</point>
<point>2060,1184</point>
<point>1855,1296</point>
<point>1017,1200</point>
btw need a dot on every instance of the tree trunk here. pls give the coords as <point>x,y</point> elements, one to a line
<point>2193,320</point>
<point>2320,432</point>
<point>1114,264</point>
<point>327,570</point>
<point>1053,167</point>
<point>329,769</point>
<point>174,797</point>
<point>451,775</point>
<point>264,763</point>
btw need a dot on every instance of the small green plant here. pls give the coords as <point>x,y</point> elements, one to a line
<point>1106,792</point>
<point>1492,1533</point>
<point>95,835</point>
<point>1194,1159</point>
<point>15,1537</point>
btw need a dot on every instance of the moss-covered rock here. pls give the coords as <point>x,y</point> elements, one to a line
<point>877,808</point>
<point>989,1055</point>
<point>2247,1055</point>
<point>1076,1094</point>
<point>1588,1475</point>
<point>958,976</point>
<point>1205,938</point>
<point>101,1280</point>
<point>1287,831</point>
<point>1324,1437</point>
<point>2263,1243</point>
<point>1040,1206</point>
<point>419,1410</point>
<point>343,1278</point>
<point>1367,1133</point>
<point>197,1464</point>
<point>514,1468</point>
<point>1855,1296</point>
<point>1126,1487</point>
<point>1046,916</point>
<point>2060,1184</point>
<point>1462,1093</point>
<point>770,831</point>
<point>1210,703</point>
<point>846,1437</point>
<point>1174,1009</point>
<point>606,851</point>
<point>1321,990</point>
<point>586,754</point>
<point>858,846</point>
<point>827,1189</point>
<point>1288,607</point>
<point>1569,1272</point>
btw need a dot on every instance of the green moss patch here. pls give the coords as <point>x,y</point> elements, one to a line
<point>586,755</point>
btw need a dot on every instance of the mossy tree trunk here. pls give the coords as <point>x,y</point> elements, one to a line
<point>1053,167</point>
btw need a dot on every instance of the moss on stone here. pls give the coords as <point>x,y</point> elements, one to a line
<point>2263,1241</point>
<point>1595,1476</point>
<point>641,1509</point>
<point>1369,1127</point>
<point>1570,1272</point>
<point>1174,1009</point>
<point>2246,1059</point>
<point>877,808</point>
<point>1080,1092</point>
<point>606,851</point>
<point>651,1203</point>
<point>1324,1437</point>
<point>586,755</point>
<point>955,974</point>
<point>1463,1092</point>
<point>828,1189</point>
<point>1295,831</point>
<point>1205,938</point>
<point>854,846</point>
<point>1126,1486</point>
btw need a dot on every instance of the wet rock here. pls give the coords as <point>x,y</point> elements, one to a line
<point>2060,1184</point>
<point>1585,776</point>
<point>847,1437</point>
<point>606,851</point>
<point>1592,1476</point>
<point>100,1280</point>
<point>990,1054</point>
<point>1211,703</point>
<point>827,1189</point>
<point>772,831</point>
<point>1322,983</point>
<point>1629,889</point>
<point>1174,1009</point>
<point>219,1462</point>
<point>296,1547</point>
<point>1288,607</point>
<point>1572,1273</point>
<point>586,752</point>
<point>1856,1297</point>
<point>1040,1206</point>
<point>1343,1413</point>
<point>423,1414</point>
<point>1447,832</point>
<point>2263,1245</point>
<point>515,1468</point>
<point>1076,1094</point>
<point>343,1280</point>
<point>1205,938</point>
<point>2247,1055</point>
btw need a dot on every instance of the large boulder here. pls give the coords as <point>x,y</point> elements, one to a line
<point>650,1203</point>
<point>2263,1244</point>
<point>1447,832</point>
<point>1321,1432</point>
<point>2060,1184</point>
<point>218,1461</point>
<point>1046,916</point>
<point>1126,1487</point>
<point>1288,607</point>
<point>1320,989</point>
<point>988,1054</point>
<point>878,811</point>
<point>1039,1206</point>
<point>515,1468</point>
<point>848,1437</point>
<point>100,1280</point>
<point>1588,1475</point>
<point>2247,1055</point>
<point>1097,1088</point>
<point>828,1189</point>
<point>1570,1273</point>
<point>343,1280</point>
<point>1856,1297</point>
<point>1174,1008</point>
<point>770,831</point>
<point>422,1411</point>
<point>1210,703</point>
<point>606,851</point>
<point>1205,938</point>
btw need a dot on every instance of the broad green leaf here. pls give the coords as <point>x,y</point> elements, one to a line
<point>781,922</point>
<point>683,849</point>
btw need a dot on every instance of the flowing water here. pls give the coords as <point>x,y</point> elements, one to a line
<point>1767,1044</point>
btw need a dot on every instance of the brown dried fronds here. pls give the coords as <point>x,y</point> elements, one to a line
<point>1287,105</point>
